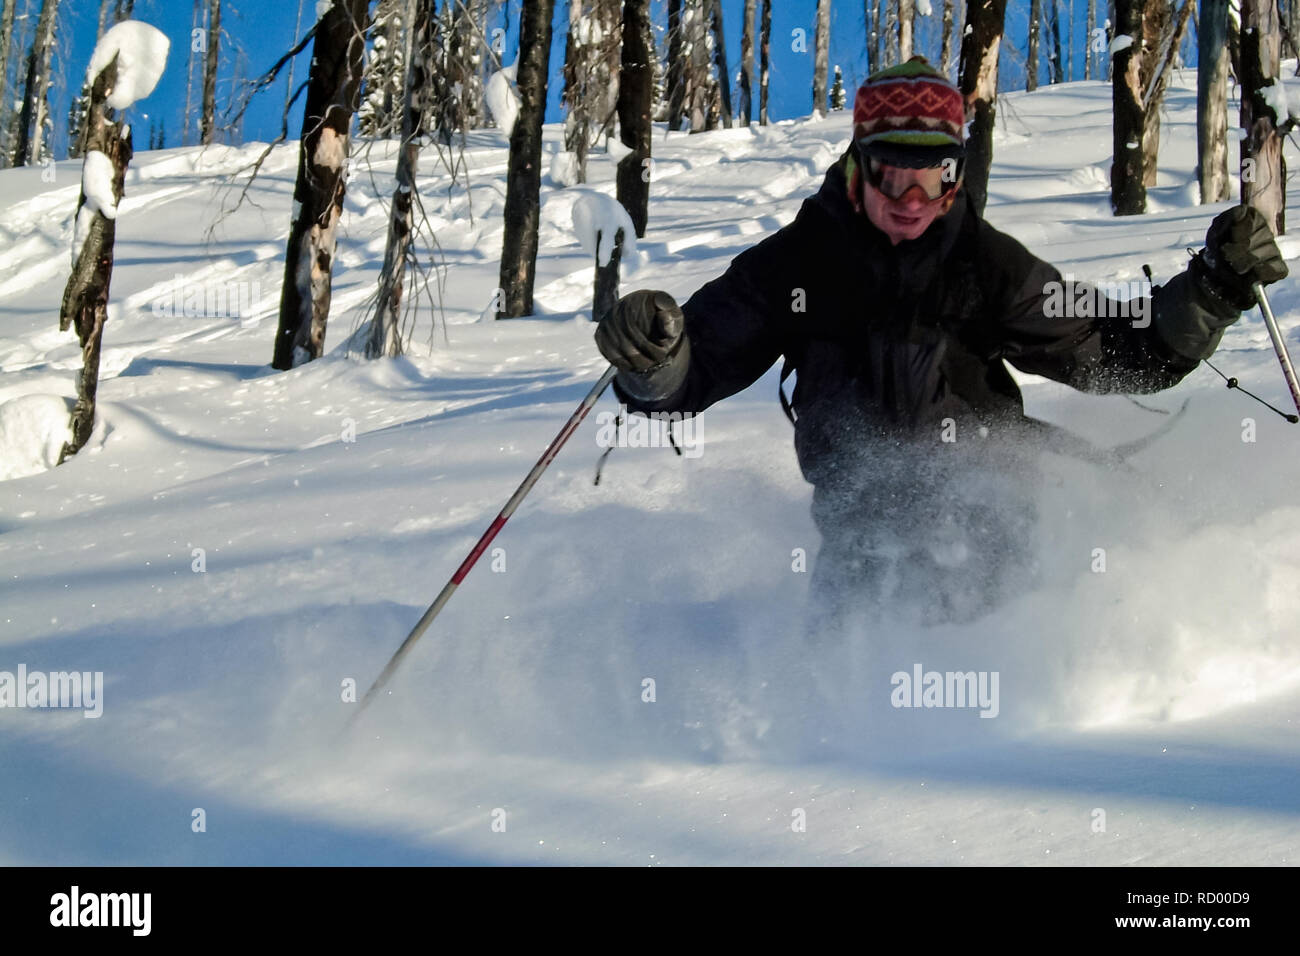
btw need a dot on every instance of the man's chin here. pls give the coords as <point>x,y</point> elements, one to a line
<point>902,233</point>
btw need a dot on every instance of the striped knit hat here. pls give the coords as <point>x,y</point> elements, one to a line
<point>910,115</point>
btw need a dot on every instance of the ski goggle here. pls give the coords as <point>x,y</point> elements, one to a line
<point>886,180</point>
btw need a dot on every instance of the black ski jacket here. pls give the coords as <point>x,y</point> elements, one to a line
<point>889,342</point>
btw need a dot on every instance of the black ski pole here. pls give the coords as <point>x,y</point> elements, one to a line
<point>497,524</point>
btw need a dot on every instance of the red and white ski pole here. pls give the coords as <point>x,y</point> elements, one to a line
<point>497,524</point>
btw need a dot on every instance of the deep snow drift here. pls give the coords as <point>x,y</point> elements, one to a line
<point>235,545</point>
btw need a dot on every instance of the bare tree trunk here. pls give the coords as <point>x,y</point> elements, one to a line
<point>1212,101</point>
<point>608,67</point>
<point>1164,37</point>
<point>1087,42</point>
<point>891,33</point>
<point>385,337</point>
<point>6,40</point>
<point>869,35</point>
<point>1293,18</point>
<point>1263,170</point>
<point>821,55</point>
<point>720,59</point>
<point>634,100</point>
<point>906,27</point>
<point>85,297</point>
<point>880,31</point>
<point>208,122</point>
<point>747,63</point>
<point>1054,21</point>
<point>764,42</point>
<point>191,64</point>
<point>288,86</point>
<point>34,119</point>
<point>978,80</point>
<point>1128,194</point>
<point>333,88</point>
<point>473,26</point>
<point>699,81</point>
<point>524,176</point>
<point>676,66</point>
<point>575,96</point>
<point>1031,57</point>
<point>945,45</point>
<point>79,110</point>
<point>382,91</point>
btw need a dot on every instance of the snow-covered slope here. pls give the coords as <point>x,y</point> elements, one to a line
<point>331,502</point>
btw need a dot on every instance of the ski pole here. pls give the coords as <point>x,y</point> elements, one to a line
<point>497,524</point>
<point>1279,344</point>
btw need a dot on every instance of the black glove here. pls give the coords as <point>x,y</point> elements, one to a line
<point>1239,251</point>
<point>642,333</point>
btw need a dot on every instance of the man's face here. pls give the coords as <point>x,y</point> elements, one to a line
<point>897,199</point>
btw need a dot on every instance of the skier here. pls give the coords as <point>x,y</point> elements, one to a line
<point>895,302</point>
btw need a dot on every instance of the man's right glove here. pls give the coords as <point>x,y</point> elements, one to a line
<point>644,337</point>
<point>1239,251</point>
<point>642,332</point>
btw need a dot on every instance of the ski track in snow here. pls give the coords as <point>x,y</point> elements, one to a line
<point>1163,691</point>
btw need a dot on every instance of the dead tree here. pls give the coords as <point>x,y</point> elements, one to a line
<point>212,60</point>
<point>333,88</point>
<point>978,80</point>
<point>1031,53</point>
<point>945,43</point>
<point>1263,170</point>
<point>764,68</point>
<point>6,40</point>
<point>699,78</point>
<point>1164,34</point>
<point>575,96</point>
<point>1128,195</point>
<point>191,67</point>
<point>1212,100</point>
<point>634,102</point>
<point>385,337</point>
<point>605,288</point>
<point>720,60</point>
<point>591,76</point>
<point>906,28</point>
<point>524,172</point>
<point>676,66</point>
<point>80,107</point>
<point>891,32</point>
<point>1090,26</point>
<point>821,54</point>
<point>382,96</point>
<point>747,63</point>
<point>1054,25</point>
<point>879,29</point>
<point>34,123</point>
<point>85,297</point>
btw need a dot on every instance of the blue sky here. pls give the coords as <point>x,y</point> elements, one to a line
<point>264,30</point>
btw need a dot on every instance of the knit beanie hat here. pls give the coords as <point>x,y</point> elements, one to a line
<point>909,115</point>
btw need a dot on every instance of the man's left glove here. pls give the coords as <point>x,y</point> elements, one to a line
<point>1239,251</point>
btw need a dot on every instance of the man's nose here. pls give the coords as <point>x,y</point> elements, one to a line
<point>913,196</point>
